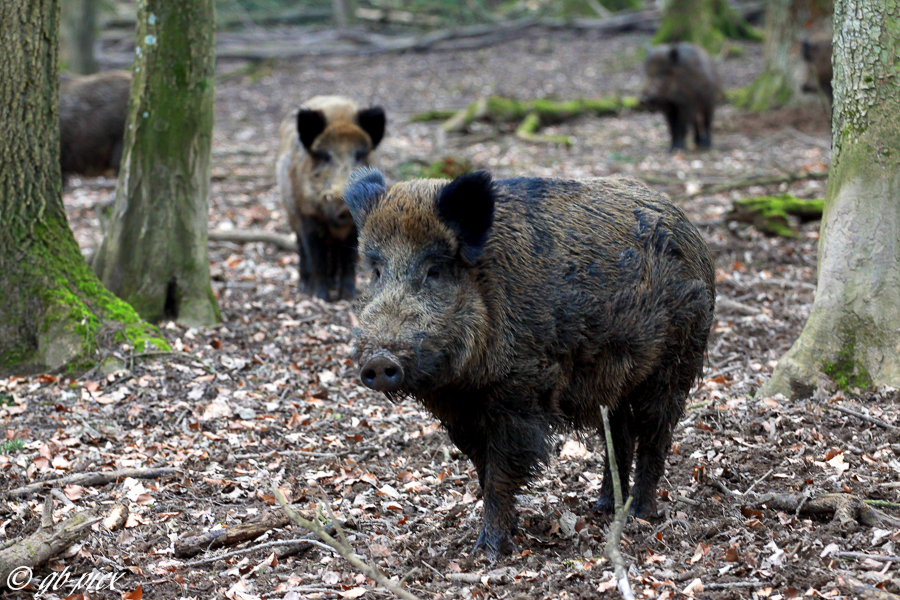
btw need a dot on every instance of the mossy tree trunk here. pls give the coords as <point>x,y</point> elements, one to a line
<point>53,308</point>
<point>154,255</point>
<point>780,80</point>
<point>707,23</point>
<point>852,334</point>
<point>78,33</point>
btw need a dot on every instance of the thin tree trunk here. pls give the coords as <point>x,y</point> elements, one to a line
<point>780,80</point>
<point>53,308</point>
<point>853,331</point>
<point>78,32</point>
<point>155,254</point>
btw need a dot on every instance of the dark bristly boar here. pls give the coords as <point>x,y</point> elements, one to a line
<point>92,114</point>
<point>816,52</point>
<point>320,146</point>
<point>515,309</point>
<point>682,83</point>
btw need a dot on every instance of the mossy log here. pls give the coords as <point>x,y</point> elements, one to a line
<point>776,215</point>
<point>531,115</point>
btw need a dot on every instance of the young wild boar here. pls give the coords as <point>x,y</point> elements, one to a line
<point>92,114</point>
<point>682,83</point>
<point>816,52</point>
<point>514,309</point>
<point>320,145</point>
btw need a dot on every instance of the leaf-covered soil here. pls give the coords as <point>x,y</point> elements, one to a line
<point>269,398</point>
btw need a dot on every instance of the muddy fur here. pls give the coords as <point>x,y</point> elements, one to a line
<point>321,143</point>
<point>514,309</point>
<point>816,53</point>
<point>92,114</point>
<point>682,83</point>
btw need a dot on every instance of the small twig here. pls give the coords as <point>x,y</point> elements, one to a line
<point>345,551</point>
<point>439,574</point>
<point>864,556</point>
<point>731,584</point>
<point>209,368</point>
<point>58,494</point>
<point>262,546</point>
<point>882,503</point>
<point>859,415</point>
<point>614,537</point>
<point>760,480</point>
<point>501,576</point>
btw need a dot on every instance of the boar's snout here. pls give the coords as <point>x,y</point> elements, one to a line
<point>382,373</point>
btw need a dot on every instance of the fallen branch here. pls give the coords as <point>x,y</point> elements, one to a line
<point>246,236</point>
<point>90,479</point>
<point>300,544</point>
<point>864,591</point>
<point>233,534</point>
<point>864,556</point>
<point>756,181</point>
<point>49,540</point>
<point>342,548</point>
<point>863,417</point>
<point>614,537</point>
<point>500,576</point>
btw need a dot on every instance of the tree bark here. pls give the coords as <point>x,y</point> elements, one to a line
<point>53,308</point>
<point>706,23</point>
<point>155,254</point>
<point>78,33</point>
<point>852,332</point>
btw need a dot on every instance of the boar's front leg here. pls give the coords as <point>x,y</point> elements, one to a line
<point>346,257</point>
<point>312,244</point>
<point>507,449</point>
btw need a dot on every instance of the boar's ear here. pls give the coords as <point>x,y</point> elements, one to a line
<point>372,121</point>
<point>466,204</point>
<point>310,125</point>
<point>363,192</point>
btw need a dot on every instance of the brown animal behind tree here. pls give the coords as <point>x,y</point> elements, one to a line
<point>320,146</point>
<point>92,115</point>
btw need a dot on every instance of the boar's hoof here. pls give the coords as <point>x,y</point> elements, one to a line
<point>382,374</point>
<point>495,544</point>
<point>606,506</point>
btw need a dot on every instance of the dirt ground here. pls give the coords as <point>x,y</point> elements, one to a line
<point>268,399</point>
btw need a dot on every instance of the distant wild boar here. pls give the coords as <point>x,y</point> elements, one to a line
<point>515,309</point>
<point>320,145</point>
<point>816,52</point>
<point>682,83</point>
<point>92,114</point>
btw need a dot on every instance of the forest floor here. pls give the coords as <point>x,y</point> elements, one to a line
<point>269,398</point>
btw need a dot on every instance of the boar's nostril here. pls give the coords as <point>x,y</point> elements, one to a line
<point>381,374</point>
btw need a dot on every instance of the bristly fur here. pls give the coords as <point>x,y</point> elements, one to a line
<point>516,308</point>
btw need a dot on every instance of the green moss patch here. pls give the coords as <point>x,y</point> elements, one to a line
<point>847,374</point>
<point>775,215</point>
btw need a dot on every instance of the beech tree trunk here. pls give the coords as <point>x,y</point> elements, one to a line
<point>53,308</point>
<point>154,255</point>
<point>853,331</point>
<point>79,31</point>
<point>706,23</point>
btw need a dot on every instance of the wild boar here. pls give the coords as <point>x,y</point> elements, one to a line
<point>816,52</point>
<point>515,309</point>
<point>93,110</point>
<point>682,83</point>
<point>321,144</point>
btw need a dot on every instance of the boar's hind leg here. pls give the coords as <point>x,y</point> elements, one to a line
<point>507,450</point>
<point>675,118</point>
<point>703,128</point>
<point>620,422</point>
<point>312,243</point>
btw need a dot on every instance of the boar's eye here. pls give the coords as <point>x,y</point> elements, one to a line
<point>360,156</point>
<point>434,272</point>
<point>322,157</point>
<point>376,273</point>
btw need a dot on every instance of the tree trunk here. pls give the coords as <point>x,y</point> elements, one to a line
<point>155,254</point>
<point>79,30</point>
<point>852,333</point>
<point>780,80</point>
<point>706,23</point>
<point>53,307</point>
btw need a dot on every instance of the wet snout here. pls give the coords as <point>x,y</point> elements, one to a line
<point>382,373</point>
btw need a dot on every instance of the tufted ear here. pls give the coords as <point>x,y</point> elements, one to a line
<point>363,192</point>
<point>466,204</point>
<point>310,125</point>
<point>372,121</point>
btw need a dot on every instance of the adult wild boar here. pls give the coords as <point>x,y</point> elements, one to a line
<point>682,83</point>
<point>514,309</point>
<point>321,144</point>
<point>92,114</point>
